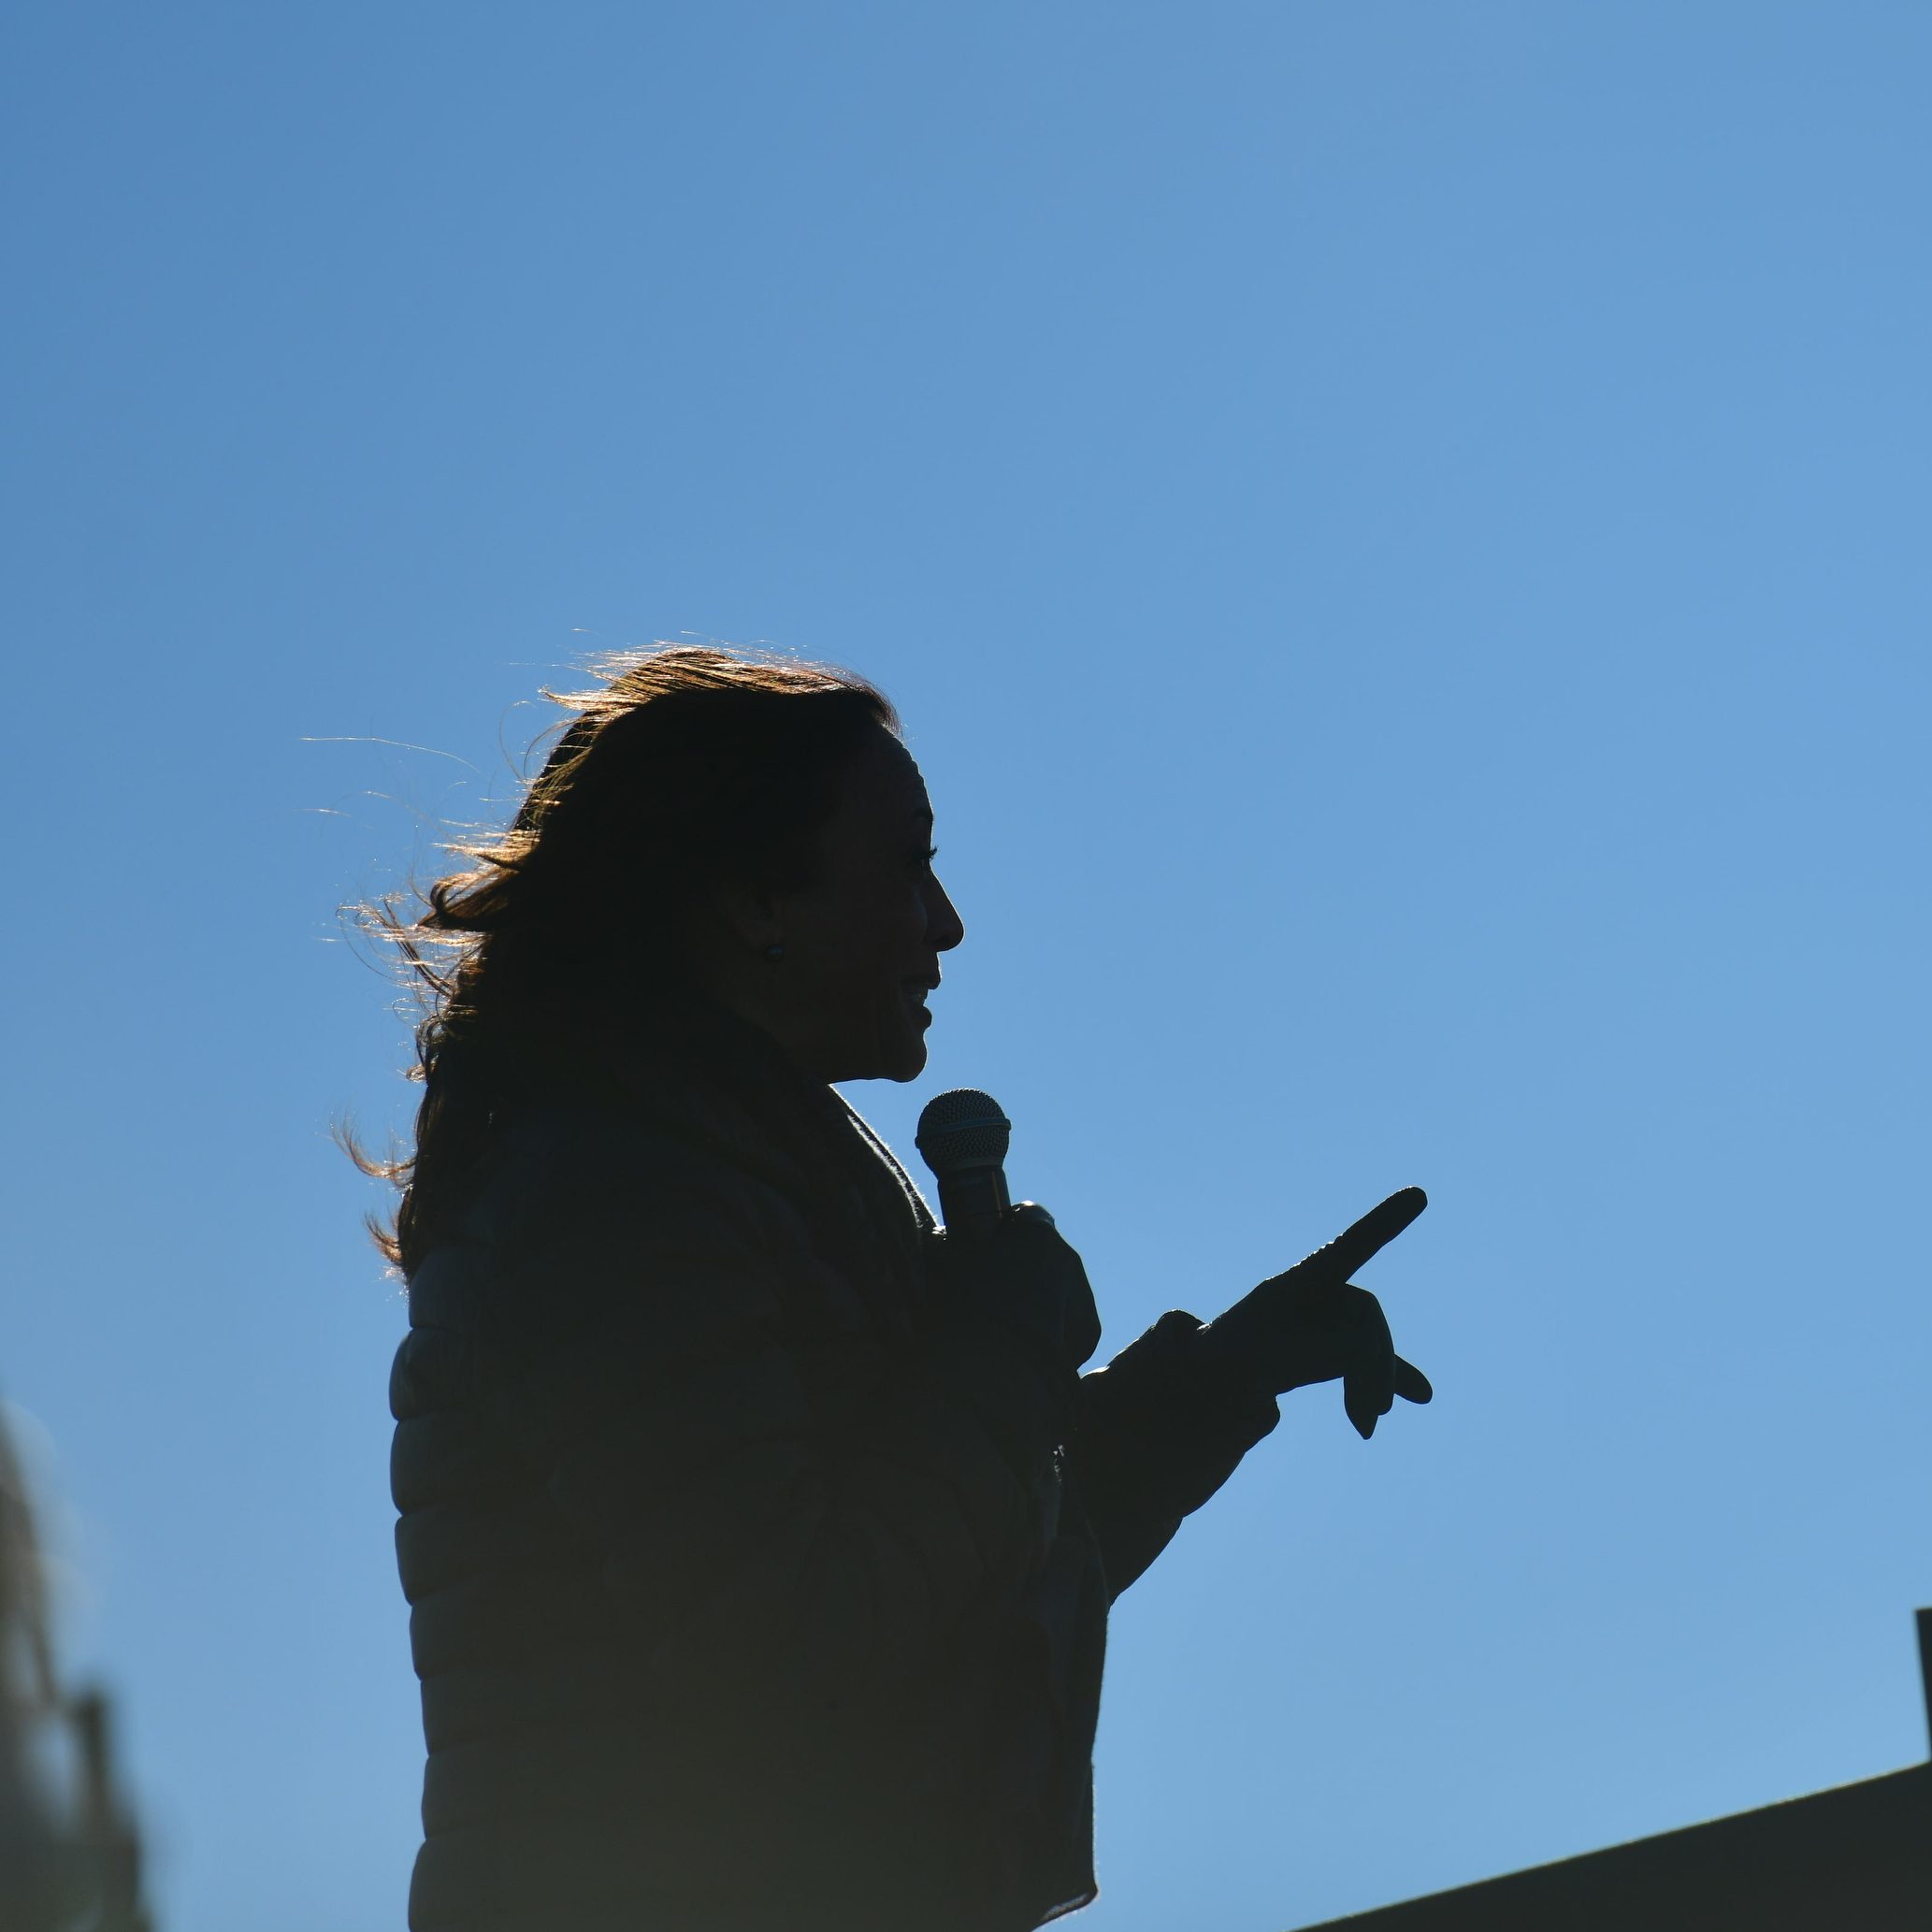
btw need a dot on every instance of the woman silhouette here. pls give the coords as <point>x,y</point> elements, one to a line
<point>759,1542</point>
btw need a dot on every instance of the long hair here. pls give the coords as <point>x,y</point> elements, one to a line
<point>683,767</point>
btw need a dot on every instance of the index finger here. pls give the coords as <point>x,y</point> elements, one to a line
<point>1333,1265</point>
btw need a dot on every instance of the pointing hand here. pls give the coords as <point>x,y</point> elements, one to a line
<point>1313,1324</point>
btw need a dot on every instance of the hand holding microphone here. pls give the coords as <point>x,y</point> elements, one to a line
<point>1308,1324</point>
<point>1007,1262</point>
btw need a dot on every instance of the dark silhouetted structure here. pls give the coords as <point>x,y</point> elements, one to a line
<point>1854,1859</point>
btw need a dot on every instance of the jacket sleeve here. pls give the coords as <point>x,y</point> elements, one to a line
<point>1158,1433</point>
<point>804,1519</point>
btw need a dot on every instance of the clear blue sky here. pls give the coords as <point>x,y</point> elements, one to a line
<point>1399,533</point>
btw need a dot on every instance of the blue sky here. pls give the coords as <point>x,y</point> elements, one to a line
<point>1398,533</point>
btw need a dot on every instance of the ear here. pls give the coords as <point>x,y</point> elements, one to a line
<point>748,912</point>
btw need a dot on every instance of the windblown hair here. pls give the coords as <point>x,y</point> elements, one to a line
<point>685,766</point>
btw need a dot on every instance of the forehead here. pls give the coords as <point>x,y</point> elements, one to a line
<point>884,785</point>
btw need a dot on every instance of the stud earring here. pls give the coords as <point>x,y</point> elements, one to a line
<point>775,951</point>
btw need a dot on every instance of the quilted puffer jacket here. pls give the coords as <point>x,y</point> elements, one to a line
<point>752,1586</point>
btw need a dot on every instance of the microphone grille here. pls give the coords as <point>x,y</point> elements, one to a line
<point>962,1129</point>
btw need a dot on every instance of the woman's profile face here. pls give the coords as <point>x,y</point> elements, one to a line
<point>862,941</point>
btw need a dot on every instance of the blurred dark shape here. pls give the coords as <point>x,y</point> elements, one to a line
<point>70,1854</point>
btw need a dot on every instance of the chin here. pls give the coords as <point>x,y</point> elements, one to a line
<point>900,1059</point>
<point>912,1064</point>
<point>878,1046</point>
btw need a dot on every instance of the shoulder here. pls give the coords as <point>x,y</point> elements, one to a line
<point>592,1225</point>
<point>570,1172</point>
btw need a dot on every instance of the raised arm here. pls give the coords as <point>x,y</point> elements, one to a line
<point>1165,1423</point>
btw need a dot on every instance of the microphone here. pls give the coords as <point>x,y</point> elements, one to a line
<point>962,1138</point>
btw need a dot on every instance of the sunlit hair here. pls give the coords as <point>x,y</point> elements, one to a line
<point>683,767</point>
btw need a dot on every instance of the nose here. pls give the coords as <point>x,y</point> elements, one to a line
<point>945,929</point>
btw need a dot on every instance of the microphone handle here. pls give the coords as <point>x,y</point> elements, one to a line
<point>973,1199</point>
